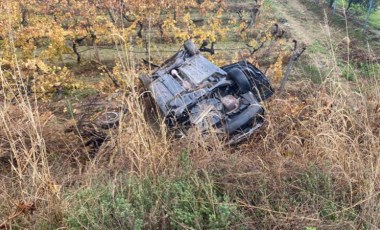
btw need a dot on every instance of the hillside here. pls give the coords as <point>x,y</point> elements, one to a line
<point>314,164</point>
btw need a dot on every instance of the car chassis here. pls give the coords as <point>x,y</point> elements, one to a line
<point>190,91</point>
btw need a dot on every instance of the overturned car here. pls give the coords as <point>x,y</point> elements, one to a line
<point>191,91</point>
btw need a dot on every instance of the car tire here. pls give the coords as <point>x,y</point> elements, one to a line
<point>109,120</point>
<point>240,79</point>
<point>191,48</point>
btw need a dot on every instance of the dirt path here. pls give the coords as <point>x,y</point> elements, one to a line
<point>308,25</point>
<point>305,25</point>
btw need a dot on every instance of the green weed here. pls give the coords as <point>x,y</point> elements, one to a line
<point>184,202</point>
<point>317,47</point>
<point>369,70</point>
<point>348,72</point>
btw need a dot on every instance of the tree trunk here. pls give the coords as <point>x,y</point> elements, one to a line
<point>111,16</point>
<point>24,15</point>
<point>286,76</point>
<point>76,52</point>
<point>296,54</point>
<point>96,51</point>
<point>139,32</point>
<point>75,48</point>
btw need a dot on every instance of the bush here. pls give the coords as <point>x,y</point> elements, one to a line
<point>185,202</point>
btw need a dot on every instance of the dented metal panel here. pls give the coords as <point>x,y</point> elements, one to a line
<point>198,69</point>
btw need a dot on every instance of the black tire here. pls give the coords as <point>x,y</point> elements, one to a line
<point>191,48</point>
<point>240,79</point>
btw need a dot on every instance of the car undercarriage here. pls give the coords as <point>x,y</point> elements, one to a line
<point>190,91</point>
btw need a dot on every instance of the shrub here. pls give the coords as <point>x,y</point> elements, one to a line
<point>184,202</point>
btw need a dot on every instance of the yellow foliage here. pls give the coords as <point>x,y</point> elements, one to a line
<point>53,26</point>
<point>54,79</point>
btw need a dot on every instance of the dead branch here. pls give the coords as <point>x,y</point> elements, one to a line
<point>254,50</point>
<point>108,72</point>
<point>240,14</point>
<point>204,48</point>
<point>21,208</point>
<point>146,62</point>
<point>295,56</point>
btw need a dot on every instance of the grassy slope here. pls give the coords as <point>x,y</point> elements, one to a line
<point>315,164</point>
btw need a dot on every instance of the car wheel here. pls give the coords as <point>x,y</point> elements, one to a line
<point>240,79</point>
<point>191,48</point>
<point>109,120</point>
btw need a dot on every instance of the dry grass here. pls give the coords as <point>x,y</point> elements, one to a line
<point>26,180</point>
<point>320,147</point>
